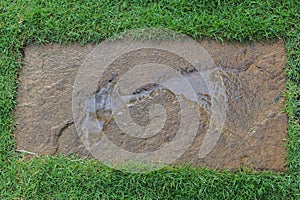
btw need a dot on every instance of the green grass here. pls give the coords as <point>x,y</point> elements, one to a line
<point>31,21</point>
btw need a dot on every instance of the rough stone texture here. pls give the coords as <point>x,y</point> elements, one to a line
<point>255,126</point>
<point>44,109</point>
<point>254,130</point>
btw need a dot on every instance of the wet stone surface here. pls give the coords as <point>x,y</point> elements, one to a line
<point>254,130</point>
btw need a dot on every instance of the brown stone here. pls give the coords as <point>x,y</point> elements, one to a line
<point>253,134</point>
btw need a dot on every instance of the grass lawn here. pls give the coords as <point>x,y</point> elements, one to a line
<point>25,22</point>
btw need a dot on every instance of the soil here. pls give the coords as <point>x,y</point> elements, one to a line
<point>255,126</point>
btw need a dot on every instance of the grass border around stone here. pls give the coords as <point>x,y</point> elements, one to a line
<point>41,22</point>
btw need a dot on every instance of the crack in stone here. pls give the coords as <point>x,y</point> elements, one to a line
<point>59,134</point>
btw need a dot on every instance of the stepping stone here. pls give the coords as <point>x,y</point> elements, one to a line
<point>254,127</point>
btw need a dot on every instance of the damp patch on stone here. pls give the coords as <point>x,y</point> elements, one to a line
<point>255,126</point>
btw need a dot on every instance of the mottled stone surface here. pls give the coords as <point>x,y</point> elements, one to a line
<point>44,109</point>
<point>254,130</point>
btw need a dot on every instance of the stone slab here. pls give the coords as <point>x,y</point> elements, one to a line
<point>255,126</point>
